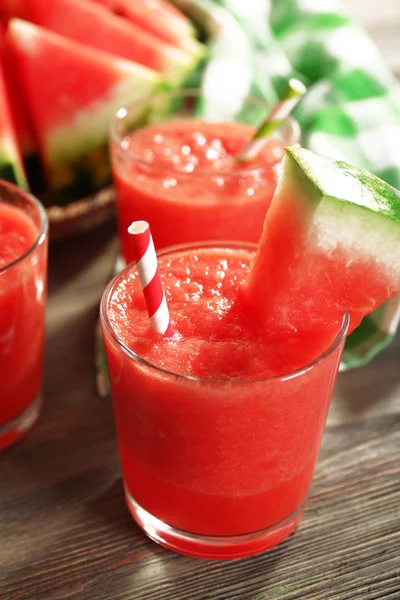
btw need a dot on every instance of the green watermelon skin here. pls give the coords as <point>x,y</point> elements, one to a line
<point>71,114</point>
<point>330,246</point>
<point>92,24</point>
<point>11,167</point>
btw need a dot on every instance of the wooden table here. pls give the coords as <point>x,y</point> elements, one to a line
<point>65,532</point>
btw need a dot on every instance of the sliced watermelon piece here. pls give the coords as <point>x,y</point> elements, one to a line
<point>14,8</point>
<point>156,18</point>
<point>94,25</point>
<point>110,4</point>
<point>162,10</point>
<point>73,91</point>
<point>11,167</point>
<point>19,113</point>
<point>330,245</point>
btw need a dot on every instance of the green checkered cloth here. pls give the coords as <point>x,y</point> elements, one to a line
<point>351,110</point>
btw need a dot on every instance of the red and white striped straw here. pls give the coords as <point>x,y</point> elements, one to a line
<point>147,266</point>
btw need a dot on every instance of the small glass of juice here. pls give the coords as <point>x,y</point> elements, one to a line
<point>178,171</point>
<point>219,426</point>
<point>23,272</point>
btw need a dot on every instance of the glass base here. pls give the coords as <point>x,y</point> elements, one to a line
<point>15,429</point>
<point>218,547</point>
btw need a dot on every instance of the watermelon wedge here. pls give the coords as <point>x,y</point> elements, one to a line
<point>163,9</point>
<point>72,93</point>
<point>330,245</point>
<point>111,4</point>
<point>13,8</point>
<point>19,113</point>
<point>157,18</point>
<point>11,167</point>
<point>92,24</point>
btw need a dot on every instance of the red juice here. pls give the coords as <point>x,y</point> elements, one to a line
<point>217,442</point>
<point>22,300</point>
<point>181,177</point>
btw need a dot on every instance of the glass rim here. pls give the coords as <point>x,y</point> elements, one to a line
<point>122,112</point>
<point>343,329</point>
<point>44,223</point>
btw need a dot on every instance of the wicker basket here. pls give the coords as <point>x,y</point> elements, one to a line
<point>82,215</point>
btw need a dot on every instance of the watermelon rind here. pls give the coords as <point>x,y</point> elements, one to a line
<point>330,245</point>
<point>343,182</point>
<point>77,153</point>
<point>11,168</point>
<point>180,65</point>
<point>353,208</point>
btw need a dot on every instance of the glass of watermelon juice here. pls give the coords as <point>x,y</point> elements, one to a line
<point>171,167</point>
<point>219,426</point>
<point>23,268</point>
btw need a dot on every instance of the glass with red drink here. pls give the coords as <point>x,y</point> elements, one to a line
<point>23,266</point>
<point>178,171</point>
<point>219,426</point>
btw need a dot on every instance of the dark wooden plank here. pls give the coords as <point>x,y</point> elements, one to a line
<point>349,542</point>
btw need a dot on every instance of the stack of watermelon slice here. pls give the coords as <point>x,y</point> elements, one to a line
<point>66,66</point>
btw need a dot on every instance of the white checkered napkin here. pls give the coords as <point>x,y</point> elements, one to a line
<point>285,13</point>
<point>227,77</point>
<point>243,56</point>
<point>320,38</point>
<point>364,132</point>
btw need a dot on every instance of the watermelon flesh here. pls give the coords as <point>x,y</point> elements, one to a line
<point>11,168</point>
<point>94,25</point>
<point>162,10</point>
<point>71,113</point>
<point>14,8</point>
<point>153,17</point>
<point>330,246</point>
<point>19,113</point>
<point>110,4</point>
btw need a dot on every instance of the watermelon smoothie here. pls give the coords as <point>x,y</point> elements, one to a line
<point>219,426</point>
<point>23,261</point>
<point>179,170</point>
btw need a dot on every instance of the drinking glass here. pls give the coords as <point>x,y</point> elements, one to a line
<point>187,201</point>
<point>216,468</point>
<point>22,315</point>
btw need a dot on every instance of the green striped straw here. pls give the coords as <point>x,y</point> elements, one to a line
<point>279,112</point>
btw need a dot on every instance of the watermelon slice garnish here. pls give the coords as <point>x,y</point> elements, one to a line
<point>95,26</point>
<point>330,245</point>
<point>11,167</point>
<point>72,92</point>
